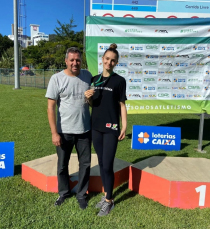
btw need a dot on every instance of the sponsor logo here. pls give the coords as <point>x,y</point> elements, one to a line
<point>165,72</point>
<point>107,30</point>
<point>179,72</point>
<point>108,125</point>
<point>197,56</point>
<point>163,88</point>
<point>135,80</point>
<point>195,47</point>
<point>124,56</point>
<point>151,56</point>
<point>194,87</point>
<point>149,79</point>
<point>143,137</point>
<point>120,71</point>
<point>179,96</point>
<point>195,80</point>
<point>135,55</point>
<point>134,95</point>
<point>208,72</point>
<point>179,80</point>
<point>134,87</point>
<point>137,48</point>
<point>206,88</point>
<point>206,80</point>
<point>148,88</point>
<point>193,96</point>
<point>161,31</point>
<point>182,64</point>
<point>122,47</point>
<point>188,31</point>
<point>149,96</point>
<point>121,65</point>
<point>195,72</point>
<point>166,64</point>
<point>184,56</point>
<point>164,80</point>
<point>136,64</point>
<point>150,63</point>
<point>178,88</point>
<point>159,139</point>
<point>167,56</point>
<point>114,127</point>
<point>165,95</point>
<point>151,47</point>
<point>102,47</point>
<point>150,72</point>
<point>133,31</point>
<point>167,48</point>
<point>183,47</point>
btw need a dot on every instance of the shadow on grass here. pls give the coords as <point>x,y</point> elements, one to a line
<point>126,196</point>
<point>17,170</point>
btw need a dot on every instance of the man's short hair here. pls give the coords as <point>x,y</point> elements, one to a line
<point>73,50</point>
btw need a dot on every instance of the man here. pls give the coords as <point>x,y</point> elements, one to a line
<point>66,89</point>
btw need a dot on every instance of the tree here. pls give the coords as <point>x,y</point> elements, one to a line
<point>5,43</point>
<point>65,31</point>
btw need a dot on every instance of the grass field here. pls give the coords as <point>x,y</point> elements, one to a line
<point>23,119</point>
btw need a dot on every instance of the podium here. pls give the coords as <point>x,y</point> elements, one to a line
<point>42,173</point>
<point>173,181</point>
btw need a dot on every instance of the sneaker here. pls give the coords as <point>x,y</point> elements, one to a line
<point>59,201</point>
<point>82,203</point>
<point>106,208</point>
<point>100,203</point>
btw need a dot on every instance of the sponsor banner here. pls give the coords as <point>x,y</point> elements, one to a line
<point>6,159</point>
<point>156,137</point>
<point>172,67</point>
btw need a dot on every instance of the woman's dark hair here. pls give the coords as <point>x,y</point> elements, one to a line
<point>113,48</point>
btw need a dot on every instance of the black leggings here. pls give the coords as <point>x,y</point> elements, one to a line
<point>105,145</point>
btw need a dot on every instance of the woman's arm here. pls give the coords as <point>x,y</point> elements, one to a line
<point>124,120</point>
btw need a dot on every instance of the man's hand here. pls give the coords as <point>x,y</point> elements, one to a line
<point>56,139</point>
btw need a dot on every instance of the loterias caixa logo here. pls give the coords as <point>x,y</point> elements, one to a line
<point>156,137</point>
<point>6,159</point>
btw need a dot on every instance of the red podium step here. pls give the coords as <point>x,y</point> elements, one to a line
<point>173,181</point>
<point>42,173</point>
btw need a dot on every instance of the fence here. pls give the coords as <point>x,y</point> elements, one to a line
<point>29,78</point>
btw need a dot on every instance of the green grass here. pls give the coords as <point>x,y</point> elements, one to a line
<point>23,119</point>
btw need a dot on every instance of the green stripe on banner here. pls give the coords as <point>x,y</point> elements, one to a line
<point>146,21</point>
<point>164,106</point>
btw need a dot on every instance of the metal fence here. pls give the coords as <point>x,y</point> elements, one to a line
<point>29,78</point>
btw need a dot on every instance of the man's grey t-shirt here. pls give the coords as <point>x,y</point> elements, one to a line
<point>73,116</point>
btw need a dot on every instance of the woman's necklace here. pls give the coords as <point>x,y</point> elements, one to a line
<point>97,83</point>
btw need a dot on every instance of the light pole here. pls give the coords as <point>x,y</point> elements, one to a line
<point>16,54</point>
<point>84,29</point>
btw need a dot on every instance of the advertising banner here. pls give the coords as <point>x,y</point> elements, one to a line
<point>166,62</point>
<point>156,137</point>
<point>6,159</point>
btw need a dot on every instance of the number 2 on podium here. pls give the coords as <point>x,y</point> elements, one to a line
<point>202,190</point>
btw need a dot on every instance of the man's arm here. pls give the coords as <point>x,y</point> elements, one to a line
<point>124,120</point>
<point>56,139</point>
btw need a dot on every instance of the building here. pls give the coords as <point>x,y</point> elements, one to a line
<point>24,40</point>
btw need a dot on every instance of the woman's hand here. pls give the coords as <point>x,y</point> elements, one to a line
<point>89,93</point>
<point>122,135</point>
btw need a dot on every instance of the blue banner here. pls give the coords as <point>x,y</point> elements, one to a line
<point>156,137</point>
<point>6,159</point>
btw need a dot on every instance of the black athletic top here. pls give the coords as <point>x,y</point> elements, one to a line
<point>106,107</point>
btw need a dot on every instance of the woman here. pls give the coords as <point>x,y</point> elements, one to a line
<point>108,104</point>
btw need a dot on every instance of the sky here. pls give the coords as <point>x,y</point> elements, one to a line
<point>44,13</point>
